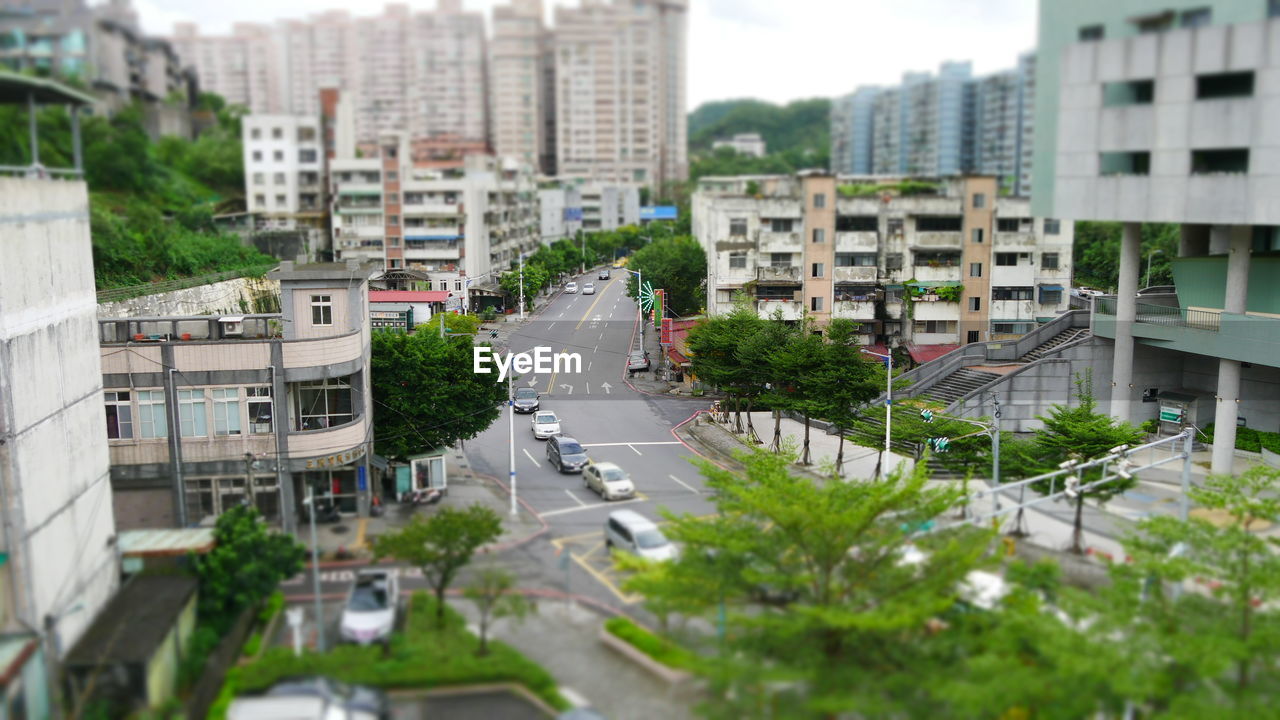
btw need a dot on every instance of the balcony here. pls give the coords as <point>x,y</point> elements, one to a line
<point>329,441</point>
<point>857,241</point>
<point>937,273</point>
<point>862,310</point>
<point>789,309</point>
<point>937,240</point>
<point>784,242</point>
<point>860,274</point>
<point>788,275</point>
<point>1022,274</point>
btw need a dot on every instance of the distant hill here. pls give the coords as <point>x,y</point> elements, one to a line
<point>796,135</point>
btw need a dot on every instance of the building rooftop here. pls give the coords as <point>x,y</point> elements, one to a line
<point>408,296</point>
<point>352,270</point>
<point>165,542</point>
<point>15,89</point>
<point>135,622</point>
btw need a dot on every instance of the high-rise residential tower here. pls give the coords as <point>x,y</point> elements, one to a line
<point>517,102</point>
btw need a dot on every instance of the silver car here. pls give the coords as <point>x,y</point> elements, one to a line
<point>629,530</point>
<point>609,480</point>
<point>370,613</point>
<point>545,424</point>
<point>571,287</point>
<point>589,289</point>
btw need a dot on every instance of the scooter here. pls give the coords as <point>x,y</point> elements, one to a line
<point>326,512</point>
<point>425,496</point>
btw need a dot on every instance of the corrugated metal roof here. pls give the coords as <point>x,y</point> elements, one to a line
<point>167,541</point>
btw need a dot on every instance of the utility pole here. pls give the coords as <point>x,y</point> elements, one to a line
<point>511,443</point>
<point>441,324</point>
<point>521,287</point>
<point>248,477</point>
<point>995,453</point>
<point>315,571</point>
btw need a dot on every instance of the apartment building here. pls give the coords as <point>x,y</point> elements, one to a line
<point>743,143</point>
<point>851,141</point>
<point>958,265</point>
<point>620,91</point>
<point>517,84</point>
<point>1004,126</point>
<point>58,565</point>
<point>469,221</point>
<point>206,412</point>
<point>284,170</point>
<point>1160,112</point>
<point>559,213</point>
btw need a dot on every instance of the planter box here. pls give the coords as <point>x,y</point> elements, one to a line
<point>631,652</point>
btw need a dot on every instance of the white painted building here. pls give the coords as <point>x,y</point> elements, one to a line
<point>560,213</point>
<point>609,207</point>
<point>58,566</point>
<point>744,144</point>
<point>284,166</point>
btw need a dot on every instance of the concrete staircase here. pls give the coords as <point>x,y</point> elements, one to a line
<point>957,385</point>
<point>1061,338</point>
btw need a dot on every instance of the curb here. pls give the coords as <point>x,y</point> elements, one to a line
<point>632,653</point>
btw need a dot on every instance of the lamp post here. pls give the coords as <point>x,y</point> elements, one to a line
<point>1156,251</point>
<point>315,570</point>
<point>521,287</point>
<point>511,441</point>
<point>888,404</point>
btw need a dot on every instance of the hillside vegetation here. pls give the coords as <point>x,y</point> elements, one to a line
<point>796,135</point>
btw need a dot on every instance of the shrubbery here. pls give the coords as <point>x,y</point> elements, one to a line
<point>658,648</point>
<point>1249,439</point>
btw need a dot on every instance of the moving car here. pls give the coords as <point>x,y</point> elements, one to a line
<point>604,274</point>
<point>571,287</point>
<point>609,480</point>
<point>312,697</point>
<point>638,362</point>
<point>588,288</point>
<point>527,400</point>
<point>370,612</point>
<point>629,530</point>
<point>545,424</point>
<point>566,454</point>
<point>1084,292</point>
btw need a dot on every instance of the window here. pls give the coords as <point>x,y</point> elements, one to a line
<point>817,270</point>
<point>1124,163</point>
<point>1050,297</point>
<point>819,235</point>
<point>979,200</point>
<point>738,259</point>
<point>1012,328</point>
<point>934,326</point>
<point>278,156</point>
<point>393,220</point>
<point>260,200</point>
<point>855,259</point>
<point>1052,226</point>
<point>1007,225</point>
<point>781,225</point>
<point>151,414</point>
<point>1090,32</point>
<point>737,226</point>
<point>938,258</point>
<point>457,285</point>
<point>226,411</point>
<point>1010,293</point>
<point>938,223</point>
<point>1206,162</point>
<point>119,415</point>
<point>1224,85</point>
<point>779,260</point>
<point>281,201</point>
<point>278,179</point>
<point>191,419</point>
<point>894,226</point>
<point>277,133</point>
<point>321,309</point>
<point>258,402</point>
<point>1006,259</point>
<point>975,304</point>
<point>893,261</point>
<point>1199,17</point>
<point>857,223</point>
<point>307,156</point>
<point>259,178</point>
<point>1049,261</point>
<point>1273,8</point>
<point>774,292</point>
<point>1155,23</point>
<point>815,304</point>
<point>256,133</point>
<point>257,156</point>
<point>976,234</point>
<point>1128,92</point>
<point>323,404</point>
<point>819,200</point>
<point>972,336</point>
<point>975,269</point>
<point>306,134</point>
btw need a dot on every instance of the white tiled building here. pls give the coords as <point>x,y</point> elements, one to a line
<point>284,167</point>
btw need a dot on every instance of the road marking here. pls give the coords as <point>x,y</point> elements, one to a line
<point>361,525</point>
<point>601,336</point>
<point>640,497</point>
<point>567,387</point>
<point>604,385</point>
<point>553,324</point>
<point>688,487</point>
<point>616,444</point>
<point>587,314</point>
<point>574,698</point>
<point>595,349</point>
<point>575,498</point>
<point>560,315</point>
<point>589,370</point>
<point>588,388</point>
<point>633,449</point>
<point>533,381</point>
<point>535,462</point>
<point>552,382</point>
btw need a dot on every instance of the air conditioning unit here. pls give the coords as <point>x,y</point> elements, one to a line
<point>232,325</point>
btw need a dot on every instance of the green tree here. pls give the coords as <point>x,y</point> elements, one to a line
<point>796,366</point>
<point>426,394</point>
<point>1096,253</point>
<point>714,344</point>
<point>246,564</point>
<point>844,381</point>
<point>535,277</point>
<point>676,265</point>
<point>492,593</point>
<point>441,545</point>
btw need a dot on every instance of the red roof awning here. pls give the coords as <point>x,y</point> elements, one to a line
<point>408,296</point>
<point>876,348</point>
<point>925,353</point>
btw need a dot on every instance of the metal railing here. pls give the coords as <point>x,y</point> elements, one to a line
<point>1209,320</point>
<point>155,288</point>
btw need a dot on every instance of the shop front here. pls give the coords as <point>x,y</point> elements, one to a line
<point>338,480</point>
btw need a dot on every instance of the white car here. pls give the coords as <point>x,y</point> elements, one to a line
<point>370,613</point>
<point>1084,292</point>
<point>611,481</point>
<point>589,289</point>
<point>630,531</point>
<point>545,424</point>
<point>571,287</point>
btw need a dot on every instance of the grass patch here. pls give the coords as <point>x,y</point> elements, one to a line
<point>420,657</point>
<point>658,648</point>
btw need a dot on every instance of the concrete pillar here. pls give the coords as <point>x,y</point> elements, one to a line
<point>1228,400</point>
<point>1126,310</point>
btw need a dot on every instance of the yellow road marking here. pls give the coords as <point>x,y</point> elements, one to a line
<point>551,384</point>
<point>361,525</point>
<point>599,296</point>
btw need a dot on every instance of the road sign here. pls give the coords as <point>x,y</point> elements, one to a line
<point>665,338</point>
<point>1170,414</point>
<point>658,301</point>
<point>646,297</point>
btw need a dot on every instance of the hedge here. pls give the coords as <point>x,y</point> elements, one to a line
<point>658,648</point>
<point>1250,439</point>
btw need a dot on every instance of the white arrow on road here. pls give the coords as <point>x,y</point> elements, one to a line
<point>606,387</point>
<point>567,387</point>
<point>533,381</point>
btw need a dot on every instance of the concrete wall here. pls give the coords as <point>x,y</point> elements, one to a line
<point>54,474</point>
<point>230,297</point>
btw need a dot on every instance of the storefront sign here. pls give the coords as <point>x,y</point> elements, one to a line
<point>335,460</point>
<point>665,338</point>
<point>1170,414</point>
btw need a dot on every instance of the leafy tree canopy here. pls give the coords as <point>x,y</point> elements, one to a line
<point>247,562</point>
<point>678,266</point>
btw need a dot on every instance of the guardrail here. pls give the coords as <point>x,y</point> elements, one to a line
<point>1210,320</point>
<point>155,288</point>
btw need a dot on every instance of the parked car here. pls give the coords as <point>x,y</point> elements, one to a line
<point>629,530</point>
<point>638,362</point>
<point>604,274</point>
<point>545,424</point>
<point>1084,292</point>
<point>571,287</point>
<point>609,480</point>
<point>372,603</point>
<point>566,454</point>
<point>527,400</point>
<point>588,288</point>
<point>305,698</point>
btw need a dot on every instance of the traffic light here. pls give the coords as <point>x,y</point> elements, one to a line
<point>939,444</point>
<point>927,415</point>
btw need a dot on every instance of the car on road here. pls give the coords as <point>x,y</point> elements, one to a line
<point>629,530</point>
<point>566,454</point>
<point>588,288</point>
<point>312,697</point>
<point>604,274</point>
<point>571,287</point>
<point>1084,292</point>
<point>545,424</point>
<point>609,480</point>
<point>526,400</point>
<point>370,612</point>
<point>638,362</point>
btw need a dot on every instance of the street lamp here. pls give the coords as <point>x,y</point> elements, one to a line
<point>888,404</point>
<point>315,568</point>
<point>1156,251</point>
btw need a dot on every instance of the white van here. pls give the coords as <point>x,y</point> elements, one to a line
<point>629,530</point>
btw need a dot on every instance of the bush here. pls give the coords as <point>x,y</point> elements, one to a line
<point>658,648</point>
<point>1250,440</point>
<point>1150,427</point>
<point>273,605</point>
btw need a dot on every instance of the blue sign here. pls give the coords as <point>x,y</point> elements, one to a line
<point>362,482</point>
<point>658,212</point>
<point>572,213</point>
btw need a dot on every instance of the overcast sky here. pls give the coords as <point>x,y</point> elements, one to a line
<point>776,50</point>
